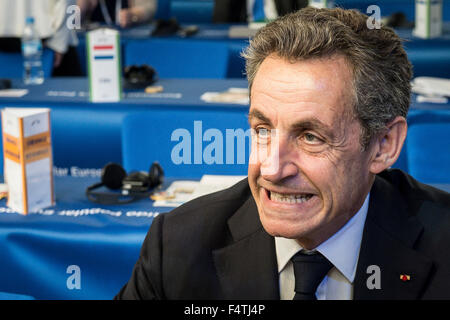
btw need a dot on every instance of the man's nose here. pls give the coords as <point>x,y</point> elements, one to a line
<point>279,163</point>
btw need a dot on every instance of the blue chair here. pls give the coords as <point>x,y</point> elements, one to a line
<point>187,143</point>
<point>389,7</point>
<point>192,11</point>
<point>236,63</point>
<point>429,59</point>
<point>12,64</point>
<point>162,9</point>
<point>180,58</point>
<point>428,146</point>
<point>402,161</point>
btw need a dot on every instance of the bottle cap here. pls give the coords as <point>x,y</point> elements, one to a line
<point>29,20</point>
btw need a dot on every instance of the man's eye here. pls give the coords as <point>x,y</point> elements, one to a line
<point>262,132</point>
<point>262,135</point>
<point>311,139</point>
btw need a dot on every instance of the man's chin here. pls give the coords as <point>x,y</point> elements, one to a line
<point>281,228</point>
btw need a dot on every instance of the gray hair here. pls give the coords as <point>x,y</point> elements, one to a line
<point>380,67</point>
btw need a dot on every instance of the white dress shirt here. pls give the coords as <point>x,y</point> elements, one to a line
<point>341,249</point>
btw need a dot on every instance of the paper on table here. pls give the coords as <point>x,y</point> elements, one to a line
<point>241,32</point>
<point>180,192</point>
<point>247,31</point>
<point>232,95</point>
<point>432,99</point>
<point>431,86</point>
<point>176,194</point>
<point>13,93</point>
<point>212,183</point>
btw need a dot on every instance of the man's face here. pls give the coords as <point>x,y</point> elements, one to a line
<point>311,176</point>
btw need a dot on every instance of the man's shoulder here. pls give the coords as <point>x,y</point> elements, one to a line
<point>424,203</point>
<point>416,194</point>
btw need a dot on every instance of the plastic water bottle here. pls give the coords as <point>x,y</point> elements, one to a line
<point>32,54</point>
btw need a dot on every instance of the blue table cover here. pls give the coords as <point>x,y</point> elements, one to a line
<point>41,253</point>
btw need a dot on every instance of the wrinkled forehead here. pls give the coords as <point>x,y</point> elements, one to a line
<point>328,80</point>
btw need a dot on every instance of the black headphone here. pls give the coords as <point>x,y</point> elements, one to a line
<point>139,77</point>
<point>135,186</point>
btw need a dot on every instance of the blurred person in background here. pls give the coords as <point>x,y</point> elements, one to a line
<point>226,11</point>
<point>123,13</point>
<point>50,18</point>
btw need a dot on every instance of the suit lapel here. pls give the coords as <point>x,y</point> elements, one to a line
<point>388,238</point>
<point>247,269</point>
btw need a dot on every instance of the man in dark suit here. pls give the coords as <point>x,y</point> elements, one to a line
<point>229,11</point>
<point>321,215</point>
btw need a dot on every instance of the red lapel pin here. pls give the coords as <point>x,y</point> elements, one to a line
<point>405,277</point>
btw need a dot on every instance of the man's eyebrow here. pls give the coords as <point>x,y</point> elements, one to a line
<point>304,124</point>
<point>313,124</point>
<point>256,114</point>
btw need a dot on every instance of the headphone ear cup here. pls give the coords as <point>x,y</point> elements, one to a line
<point>113,175</point>
<point>155,175</point>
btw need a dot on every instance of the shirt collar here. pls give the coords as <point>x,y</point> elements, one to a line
<point>341,249</point>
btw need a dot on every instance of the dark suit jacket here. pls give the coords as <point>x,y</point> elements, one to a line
<point>226,11</point>
<point>215,247</point>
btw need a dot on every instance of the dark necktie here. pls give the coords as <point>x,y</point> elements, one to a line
<point>309,271</point>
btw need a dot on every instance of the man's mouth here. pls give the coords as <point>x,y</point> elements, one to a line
<point>289,198</point>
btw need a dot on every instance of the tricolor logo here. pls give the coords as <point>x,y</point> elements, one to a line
<point>103,52</point>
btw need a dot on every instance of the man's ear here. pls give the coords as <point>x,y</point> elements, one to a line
<point>388,145</point>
